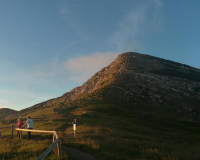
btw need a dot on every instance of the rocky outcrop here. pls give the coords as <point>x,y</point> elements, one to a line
<point>147,80</point>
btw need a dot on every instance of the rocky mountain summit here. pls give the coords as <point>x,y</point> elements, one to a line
<point>137,80</point>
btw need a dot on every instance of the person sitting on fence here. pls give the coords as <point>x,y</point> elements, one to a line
<point>19,125</point>
<point>29,124</point>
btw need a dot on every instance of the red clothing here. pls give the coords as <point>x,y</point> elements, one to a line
<point>20,123</point>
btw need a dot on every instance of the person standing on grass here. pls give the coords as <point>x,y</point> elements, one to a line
<point>29,124</point>
<point>19,125</point>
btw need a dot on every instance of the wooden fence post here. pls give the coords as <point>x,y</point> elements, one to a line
<point>21,135</point>
<point>58,145</point>
<point>12,130</point>
<point>59,148</point>
<point>54,136</point>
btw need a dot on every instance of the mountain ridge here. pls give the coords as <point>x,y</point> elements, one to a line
<point>142,79</point>
<point>139,79</point>
<point>7,112</point>
<point>99,78</point>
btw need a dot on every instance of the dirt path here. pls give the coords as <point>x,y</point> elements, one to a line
<point>79,155</point>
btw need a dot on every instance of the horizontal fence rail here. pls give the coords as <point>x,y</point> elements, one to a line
<point>56,141</point>
<point>6,128</point>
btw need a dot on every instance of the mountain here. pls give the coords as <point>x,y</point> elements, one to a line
<point>142,80</point>
<point>138,107</point>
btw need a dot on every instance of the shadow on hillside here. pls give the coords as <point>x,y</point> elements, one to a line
<point>40,119</point>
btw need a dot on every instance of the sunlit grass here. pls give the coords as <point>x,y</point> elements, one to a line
<point>22,149</point>
<point>29,149</point>
<point>18,149</point>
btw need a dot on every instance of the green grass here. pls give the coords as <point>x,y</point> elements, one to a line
<point>137,133</point>
<point>108,130</point>
<point>18,149</point>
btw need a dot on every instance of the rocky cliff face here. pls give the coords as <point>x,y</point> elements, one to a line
<point>146,80</point>
<point>139,79</point>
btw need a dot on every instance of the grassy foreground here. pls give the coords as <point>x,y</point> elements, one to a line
<point>107,130</point>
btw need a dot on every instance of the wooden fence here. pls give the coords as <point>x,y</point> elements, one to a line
<point>6,128</point>
<point>56,141</point>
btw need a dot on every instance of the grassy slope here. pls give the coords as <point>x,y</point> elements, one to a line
<point>140,132</point>
<point>110,130</point>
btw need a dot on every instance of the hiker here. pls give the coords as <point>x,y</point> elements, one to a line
<point>29,124</point>
<point>19,125</point>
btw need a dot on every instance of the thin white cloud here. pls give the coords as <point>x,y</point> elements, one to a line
<point>19,99</point>
<point>44,75</point>
<point>2,103</point>
<point>77,69</point>
<point>68,45</point>
<point>5,92</point>
<point>21,93</point>
<point>50,69</point>
<point>82,68</point>
<point>54,73</point>
<point>136,25</point>
<point>68,14</point>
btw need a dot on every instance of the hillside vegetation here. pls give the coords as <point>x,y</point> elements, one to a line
<point>109,130</point>
<point>6,112</point>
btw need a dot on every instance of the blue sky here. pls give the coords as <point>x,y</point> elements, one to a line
<point>49,47</point>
